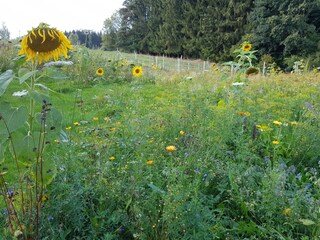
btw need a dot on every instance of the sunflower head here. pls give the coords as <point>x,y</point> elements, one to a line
<point>246,47</point>
<point>44,43</point>
<point>137,71</point>
<point>100,71</point>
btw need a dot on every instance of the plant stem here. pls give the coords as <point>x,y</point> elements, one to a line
<point>31,110</point>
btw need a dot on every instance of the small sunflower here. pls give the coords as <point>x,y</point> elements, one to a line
<point>100,71</point>
<point>137,71</point>
<point>246,47</point>
<point>44,43</point>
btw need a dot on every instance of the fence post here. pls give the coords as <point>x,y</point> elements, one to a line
<point>163,61</point>
<point>264,69</point>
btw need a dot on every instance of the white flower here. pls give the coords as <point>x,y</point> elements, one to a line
<point>20,93</point>
<point>237,83</point>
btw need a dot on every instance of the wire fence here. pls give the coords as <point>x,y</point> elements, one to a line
<point>178,64</point>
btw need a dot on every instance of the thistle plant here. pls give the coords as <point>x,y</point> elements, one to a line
<point>26,133</point>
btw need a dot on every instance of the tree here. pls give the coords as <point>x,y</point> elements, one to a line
<point>284,28</point>
<point>4,32</point>
<point>111,27</point>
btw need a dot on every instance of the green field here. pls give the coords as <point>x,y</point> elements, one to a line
<point>187,154</point>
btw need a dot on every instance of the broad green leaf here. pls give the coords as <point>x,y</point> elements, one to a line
<point>24,147</point>
<point>307,222</point>
<point>26,76</point>
<point>38,97</point>
<point>5,80</point>
<point>55,74</point>
<point>13,117</point>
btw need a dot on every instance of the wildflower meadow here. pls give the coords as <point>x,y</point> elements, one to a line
<point>93,146</point>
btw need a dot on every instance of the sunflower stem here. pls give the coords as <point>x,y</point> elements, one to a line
<point>32,87</point>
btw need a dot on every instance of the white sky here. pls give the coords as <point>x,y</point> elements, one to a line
<point>21,15</point>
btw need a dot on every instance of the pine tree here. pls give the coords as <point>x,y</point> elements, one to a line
<point>284,28</point>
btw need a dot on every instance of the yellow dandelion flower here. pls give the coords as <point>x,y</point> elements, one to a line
<point>76,123</point>
<point>100,71</point>
<point>68,128</point>
<point>150,162</point>
<point>171,148</point>
<point>56,141</point>
<point>44,43</point>
<point>277,123</point>
<point>275,142</point>
<point>287,212</point>
<point>154,67</point>
<point>181,133</point>
<point>112,158</point>
<point>246,47</point>
<point>137,71</point>
<point>263,127</point>
<point>95,119</point>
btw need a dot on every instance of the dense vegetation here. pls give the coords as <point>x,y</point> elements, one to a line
<point>212,29</point>
<point>162,155</point>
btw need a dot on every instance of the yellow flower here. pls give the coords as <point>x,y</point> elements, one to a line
<point>112,129</point>
<point>154,67</point>
<point>277,123</point>
<point>150,162</point>
<point>275,142</point>
<point>107,119</point>
<point>95,119</point>
<point>246,47</point>
<point>56,141</point>
<point>287,212</point>
<point>263,127</point>
<point>137,71</point>
<point>44,43</point>
<point>112,158</point>
<point>76,123</point>
<point>213,65</point>
<point>294,123</point>
<point>44,197</point>
<point>181,133</point>
<point>68,128</point>
<point>100,71</point>
<point>171,148</point>
<point>244,114</point>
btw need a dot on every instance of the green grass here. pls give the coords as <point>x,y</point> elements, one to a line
<point>226,180</point>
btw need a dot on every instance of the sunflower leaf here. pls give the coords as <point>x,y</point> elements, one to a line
<point>26,76</point>
<point>5,80</point>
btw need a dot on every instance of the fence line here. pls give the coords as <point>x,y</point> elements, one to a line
<point>178,64</point>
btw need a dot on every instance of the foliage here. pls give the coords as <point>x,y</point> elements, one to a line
<point>169,155</point>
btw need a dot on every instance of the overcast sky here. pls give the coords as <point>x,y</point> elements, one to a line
<point>21,15</point>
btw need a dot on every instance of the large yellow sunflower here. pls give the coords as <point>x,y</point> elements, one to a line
<point>44,43</point>
<point>137,71</point>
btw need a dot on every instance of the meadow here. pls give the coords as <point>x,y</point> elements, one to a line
<point>164,155</point>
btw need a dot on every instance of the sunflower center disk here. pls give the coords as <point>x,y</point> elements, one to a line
<point>43,43</point>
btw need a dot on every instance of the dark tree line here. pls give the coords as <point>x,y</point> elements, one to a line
<point>212,29</point>
<point>88,38</point>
